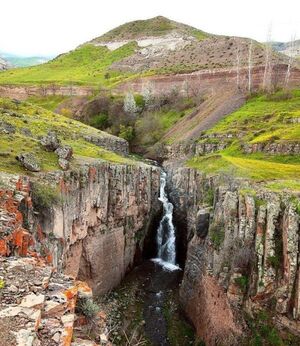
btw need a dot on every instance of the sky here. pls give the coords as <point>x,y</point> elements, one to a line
<point>51,27</point>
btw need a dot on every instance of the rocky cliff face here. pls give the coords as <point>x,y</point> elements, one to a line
<point>92,223</point>
<point>242,254</point>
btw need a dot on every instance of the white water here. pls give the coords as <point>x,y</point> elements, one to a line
<point>166,231</point>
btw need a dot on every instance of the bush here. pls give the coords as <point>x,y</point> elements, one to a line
<point>208,197</point>
<point>88,308</point>
<point>99,121</point>
<point>217,235</point>
<point>242,282</point>
<point>44,196</point>
<point>126,132</point>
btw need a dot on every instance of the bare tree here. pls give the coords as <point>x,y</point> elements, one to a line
<point>268,59</point>
<point>238,65</point>
<point>250,67</point>
<point>147,93</point>
<point>290,62</point>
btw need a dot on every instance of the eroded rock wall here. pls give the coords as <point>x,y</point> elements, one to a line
<point>94,228</point>
<point>243,244</point>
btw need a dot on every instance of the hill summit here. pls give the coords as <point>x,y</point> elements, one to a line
<point>156,46</point>
<point>157,26</point>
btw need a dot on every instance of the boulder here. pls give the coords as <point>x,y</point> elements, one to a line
<point>50,142</point>
<point>29,162</point>
<point>7,128</point>
<point>64,152</point>
<point>63,164</point>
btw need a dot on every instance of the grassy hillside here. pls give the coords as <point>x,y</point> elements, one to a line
<point>28,123</point>
<point>95,65</point>
<point>263,119</point>
<point>156,26</point>
<point>85,65</point>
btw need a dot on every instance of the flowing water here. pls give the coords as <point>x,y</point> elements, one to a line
<point>166,239</point>
<point>157,291</point>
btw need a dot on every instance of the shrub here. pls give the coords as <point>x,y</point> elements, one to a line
<point>139,101</point>
<point>127,132</point>
<point>44,196</point>
<point>66,112</point>
<point>274,261</point>
<point>99,121</point>
<point>209,197</point>
<point>242,282</point>
<point>88,308</point>
<point>217,235</point>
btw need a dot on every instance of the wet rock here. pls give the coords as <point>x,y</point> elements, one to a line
<point>50,142</point>
<point>29,161</point>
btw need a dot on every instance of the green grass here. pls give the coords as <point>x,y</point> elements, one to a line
<point>49,102</point>
<point>40,121</point>
<point>169,118</point>
<point>263,118</point>
<point>86,65</point>
<point>291,185</point>
<point>244,167</point>
<point>157,26</point>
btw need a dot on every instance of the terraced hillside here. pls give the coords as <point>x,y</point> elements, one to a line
<point>261,139</point>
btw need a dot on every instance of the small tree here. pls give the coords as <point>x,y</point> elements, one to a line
<point>130,106</point>
<point>290,62</point>
<point>238,65</point>
<point>268,63</point>
<point>127,132</point>
<point>147,93</point>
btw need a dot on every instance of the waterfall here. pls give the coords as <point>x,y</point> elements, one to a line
<point>165,238</point>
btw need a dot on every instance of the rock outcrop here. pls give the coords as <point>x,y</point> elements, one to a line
<point>273,148</point>
<point>242,253</point>
<point>90,221</point>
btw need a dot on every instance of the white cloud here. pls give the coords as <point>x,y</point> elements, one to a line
<point>47,27</point>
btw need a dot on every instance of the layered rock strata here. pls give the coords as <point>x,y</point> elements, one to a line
<point>242,253</point>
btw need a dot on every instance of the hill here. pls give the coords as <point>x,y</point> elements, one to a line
<point>22,126</point>
<point>149,47</point>
<point>287,48</point>
<point>261,139</point>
